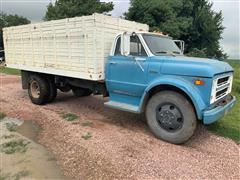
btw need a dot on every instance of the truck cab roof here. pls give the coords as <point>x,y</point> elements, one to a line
<point>150,33</point>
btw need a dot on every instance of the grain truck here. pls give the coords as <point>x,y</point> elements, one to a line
<point>140,71</point>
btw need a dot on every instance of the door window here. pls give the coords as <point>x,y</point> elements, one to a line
<point>118,47</point>
<point>136,47</point>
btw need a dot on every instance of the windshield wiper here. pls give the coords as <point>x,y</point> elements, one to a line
<point>176,52</point>
<point>165,52</point>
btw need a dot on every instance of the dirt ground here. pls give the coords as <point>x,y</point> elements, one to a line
<point>24,158</point>
<point>120,144</point>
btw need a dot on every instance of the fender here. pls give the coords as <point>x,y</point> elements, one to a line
<point>179,83</point>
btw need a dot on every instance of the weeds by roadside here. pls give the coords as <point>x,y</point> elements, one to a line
<point>4,176</point>
<point>12,127</point>
<point>2,115</point>
<point>17,176</point>
<point>21,174</point>
<point>87,136</point>
<point>10,71</point>
<point>69,116</point>
<point>13,146</point>
<point>87,123</point>
<point>8,136</point>
<point>51,159</point>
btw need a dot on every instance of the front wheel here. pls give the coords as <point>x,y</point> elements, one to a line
<point>171,117</point>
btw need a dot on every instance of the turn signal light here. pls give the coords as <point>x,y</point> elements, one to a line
<point>199,82</point>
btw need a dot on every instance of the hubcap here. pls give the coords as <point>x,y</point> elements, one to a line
<point>169,117</point>
<point>35,89</point>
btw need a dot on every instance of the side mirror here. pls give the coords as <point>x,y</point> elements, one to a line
<point>125,45</point>
<point>180,44</point>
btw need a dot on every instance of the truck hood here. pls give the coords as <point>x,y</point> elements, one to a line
<point>190,66</point>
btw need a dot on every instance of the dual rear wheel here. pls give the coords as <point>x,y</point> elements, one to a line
<point>43,90</point>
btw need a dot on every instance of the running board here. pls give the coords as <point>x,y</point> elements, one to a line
<point>122,106</point>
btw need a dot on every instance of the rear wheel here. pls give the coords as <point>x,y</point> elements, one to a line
<point>38,89</point>
<point>80,92</point>
<point>52,91</point>
<point>171,117</point>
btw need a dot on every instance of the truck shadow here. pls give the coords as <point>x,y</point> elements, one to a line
<point>92,108</point>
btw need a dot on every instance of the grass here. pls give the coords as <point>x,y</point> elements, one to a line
<point>69,116</point>
<point>4,176</point>
<point>12,127</point>
<point>87,136</point>
<point>21,174</point>
<point>229,125</point>
<point>87,123</point>
<point>2,115</point>
<point>51,159</point>
<point>10,71</point>
<point>8,136</point>
<point>11,147</point>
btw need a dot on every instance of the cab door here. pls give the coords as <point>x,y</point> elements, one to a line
<point>127,75</point>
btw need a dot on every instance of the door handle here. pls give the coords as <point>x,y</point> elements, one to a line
<point>140,59</point>
<point>113,62</point>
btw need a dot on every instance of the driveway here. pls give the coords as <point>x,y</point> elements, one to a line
<point>104,144</point>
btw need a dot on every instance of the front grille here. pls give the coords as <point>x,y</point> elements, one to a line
<point>222,86</point>
<point>221,93</point>
<point>222,80</point>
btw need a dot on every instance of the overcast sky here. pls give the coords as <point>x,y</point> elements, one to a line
<point>35,10</point>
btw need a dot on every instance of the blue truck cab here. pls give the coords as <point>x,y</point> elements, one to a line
<point>148,72</point>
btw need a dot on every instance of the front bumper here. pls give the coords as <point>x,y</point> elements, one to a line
<point>212,115</point>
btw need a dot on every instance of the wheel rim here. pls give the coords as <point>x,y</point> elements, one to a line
<point>169,117</point>
<point>35,89</point>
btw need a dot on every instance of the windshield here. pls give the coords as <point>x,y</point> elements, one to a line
<point>161,45</point>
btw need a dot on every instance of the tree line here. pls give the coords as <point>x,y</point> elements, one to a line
<point>193,21</point>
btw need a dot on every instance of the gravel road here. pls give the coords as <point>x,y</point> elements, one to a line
<point>121,145</point>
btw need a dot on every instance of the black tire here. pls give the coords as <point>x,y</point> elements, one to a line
<point>38,89</point>
<point>80,92</point>
<point>52,91</point>
<point>171,117</point>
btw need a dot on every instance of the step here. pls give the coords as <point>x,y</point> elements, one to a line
<point>122,106</point>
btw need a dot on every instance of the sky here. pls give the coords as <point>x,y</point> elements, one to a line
<point>35,10</point>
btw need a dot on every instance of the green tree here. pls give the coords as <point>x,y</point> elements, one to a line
<point>71,8</point>
<point>10,20</point>
<point>193,21</point>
